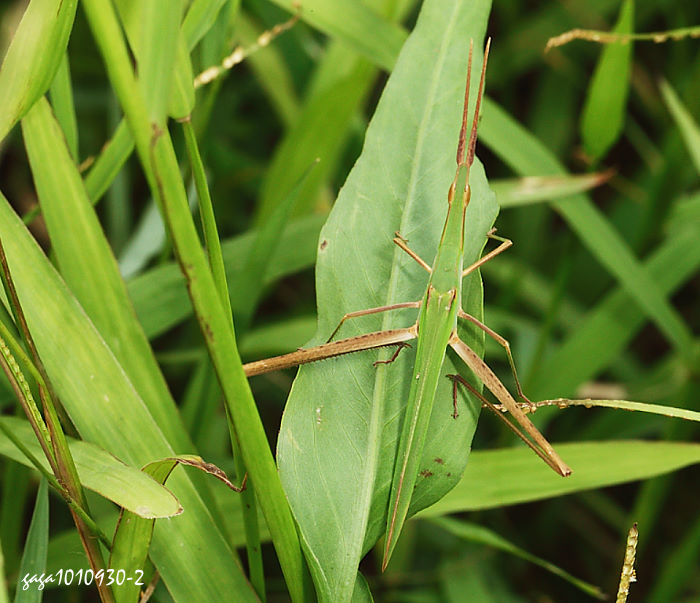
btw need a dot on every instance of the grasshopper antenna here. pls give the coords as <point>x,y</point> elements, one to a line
<point>465,152</point>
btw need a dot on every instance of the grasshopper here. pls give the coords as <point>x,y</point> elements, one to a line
<point>440,309</point>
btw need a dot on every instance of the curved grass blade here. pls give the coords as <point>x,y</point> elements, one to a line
<point>98,470</point>
<point>33,57</point>
<point>35,548</point>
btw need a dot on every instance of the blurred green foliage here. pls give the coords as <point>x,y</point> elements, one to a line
<point>580,316</point>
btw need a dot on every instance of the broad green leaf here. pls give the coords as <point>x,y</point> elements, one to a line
<point>99,471</point>
<point>35,549</point>
<point>33,57</point>
<point>604,111</point>
<point>690,131</point>
<point>339,432</point>
<point>105,408</point>
<point>510,476</point>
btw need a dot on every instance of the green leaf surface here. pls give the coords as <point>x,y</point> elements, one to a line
<point>89,268</point>
<point>199,19</point>
<point>515,192</point>
<point>132,537</point>
<point>355,24</point>
<point>105,408</point>
<point>604,110</point>
<point>99,471</point>
<point>33,57</point>
<point>35,549</point>
<point>514,475</point>
<point>339,432</point>
<point>690,131</point>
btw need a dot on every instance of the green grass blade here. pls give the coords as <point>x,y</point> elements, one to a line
<point>199,19</point>
<point>216,263</point>
<point>338,437</point>
<point>152,30</point>
<point>602,336</point>
<point>89,268</point>
<point>158,159</point>
<point>526,155</point>
<point>690,131</point>
<point>319,132</point>
<point>680,567</point>
<point>160,295</point>
<point>132,537</point>
<point>356,25</point>
<point>481,535</point>
<point>604,111</point>
<point>514,475</point>
<point>108,163</point>
<point>99,471</point>
<point>61,92</point>
<point>516,192</point>
<point>35,549</point>
<point>90,378</point>
<point>33,57</point>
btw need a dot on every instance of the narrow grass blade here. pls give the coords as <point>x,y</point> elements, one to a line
<point>680,567</point>
<point>61,92</point>
<point>108,163</point>
<point>356,25</point>
<point>160,165</point>
<point>690,131</point>
<point>89,268</point>
<point>160,294</point>
<point>199,19</point>
<point>604,111</point>
<point>35,549</point>
<point>526,155</point>
<point>475,533</point>
<point>152,30</point>
<point>33,57</point>
<point>516,192</point>
<point>132,537</point>
<point>602,335</point>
